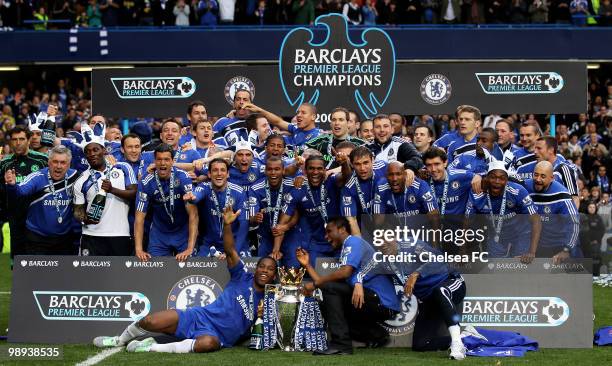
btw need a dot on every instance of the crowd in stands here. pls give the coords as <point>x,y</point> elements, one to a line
<point>53,14</point>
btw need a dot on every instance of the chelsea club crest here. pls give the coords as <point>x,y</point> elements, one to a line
<point>193,291</point>
<point>236,84</point>
<point>436,89</point>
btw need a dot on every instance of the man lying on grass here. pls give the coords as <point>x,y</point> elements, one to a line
<point>208,328</point>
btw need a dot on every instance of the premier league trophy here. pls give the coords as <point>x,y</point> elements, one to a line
<point>288,301</point>
<point>289,319</point>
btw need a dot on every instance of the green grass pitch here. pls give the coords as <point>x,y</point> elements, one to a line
<point>602,302</point>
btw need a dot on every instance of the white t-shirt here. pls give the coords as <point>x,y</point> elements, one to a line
<point>114,221</point>
<point>226,10</point>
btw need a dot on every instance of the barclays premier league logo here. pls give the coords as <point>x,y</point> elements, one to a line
<point>515,311</point>
<point>520,82</point>
<point>236,84</point>
<point>98,306</point>
<point>436,89</point>
<point>193,291</point>
<point>334,66</point>
<point>154,87</point>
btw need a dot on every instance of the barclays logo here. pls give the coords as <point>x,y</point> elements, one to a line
<point>330,69</point>
<point>515,311</point>
<point>154,87</point>
<point>92,305</point>
<point>520,82</point>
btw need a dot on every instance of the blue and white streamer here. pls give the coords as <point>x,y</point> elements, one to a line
<point>310,332</point>
<point>269,321</point>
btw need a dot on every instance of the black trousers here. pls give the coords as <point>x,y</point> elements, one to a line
<point>50,245</point>
<point>18,238</point>
<point>106,245</point>
<point>437,312</point>
<point>346,323</point>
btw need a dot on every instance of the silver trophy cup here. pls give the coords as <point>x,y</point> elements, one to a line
<point>288,299</point>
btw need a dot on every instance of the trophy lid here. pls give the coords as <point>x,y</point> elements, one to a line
<point>291,276</point>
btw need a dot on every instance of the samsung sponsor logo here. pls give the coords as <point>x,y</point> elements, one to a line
<point>54,203</point>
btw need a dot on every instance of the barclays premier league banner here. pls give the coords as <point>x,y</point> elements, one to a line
<point>327,66</point>
<point>74,299</point>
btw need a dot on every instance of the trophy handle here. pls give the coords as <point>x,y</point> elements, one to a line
<point>271,288</point>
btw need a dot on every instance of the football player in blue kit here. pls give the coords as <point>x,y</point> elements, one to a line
<point>211,197</point>
<point>439,290</point>
<point>524,158</point>
<point>212,327</point>
<point>302,131</point>
<point>316,201</point>
<point>560,217</point>
<point>507,203</point>
<point>266,199</point>
<point>174,228</point>
<point>402,200</point>
<point>355,300</point>
<point>229,130</point>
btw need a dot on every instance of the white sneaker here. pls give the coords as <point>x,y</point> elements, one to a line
<point>471,331</point>
<point>140,346</point>
<point>104,342</point>
<point>457,351</point>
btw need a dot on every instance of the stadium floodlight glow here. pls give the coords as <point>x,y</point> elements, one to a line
<point>592,66</point>
<point>9,68</point>
<point>89,68</point>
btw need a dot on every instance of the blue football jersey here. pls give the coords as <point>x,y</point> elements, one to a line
<point>458,191</point>
<point>358,254</point>
<point>299,136</point>
<point>560,218</point>
<point>210,205</point>
<point>180,156</point>
<point>470,161</point>
<point>414,200</point>
<point>228,131</point>
<point>444,141</point>
<point>167,218</point>
<point>313,207</point>
<point>518,202</point>
<point>459,145</point>
<point>358,195</point>
<point>48,214</point>
<point>233,313</point>
<point>259,194</point>
<point>247,179</point>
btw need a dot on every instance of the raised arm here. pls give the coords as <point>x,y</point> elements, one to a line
<point>229,246</point>
<point>272,118</point>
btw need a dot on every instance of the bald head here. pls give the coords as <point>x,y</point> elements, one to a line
<point>543,176</point>
<point>396,164</point>
<point>396,176</point>
<point>544,167</point>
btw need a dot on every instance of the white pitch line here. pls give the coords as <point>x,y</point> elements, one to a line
<point>99,357</point>
<point>5,292</point>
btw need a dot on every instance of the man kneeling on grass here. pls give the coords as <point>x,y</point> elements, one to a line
<point>208,328</point>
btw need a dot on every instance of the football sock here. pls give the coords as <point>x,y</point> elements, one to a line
<point>185,346</point>
<point>132,331</point>
<point>455,333</point>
